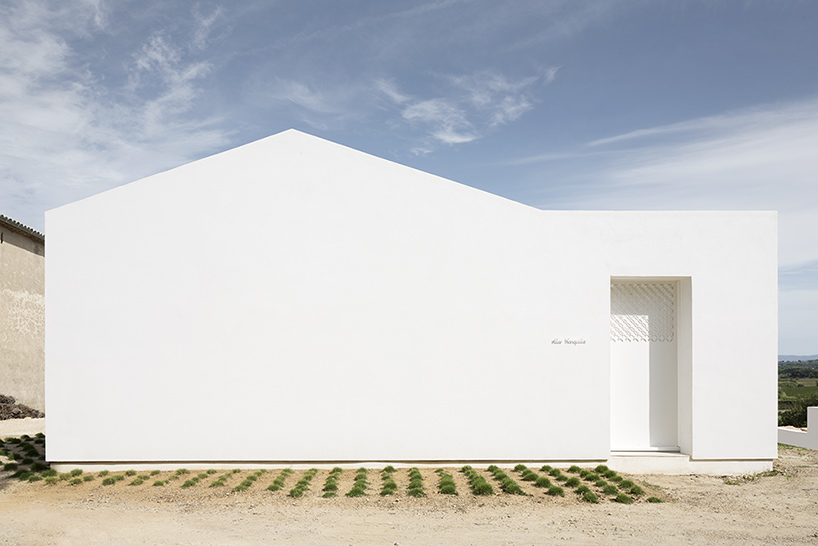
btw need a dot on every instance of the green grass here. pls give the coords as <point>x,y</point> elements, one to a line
<point>623,498</point>
<point>507,484</point>
<point>246,484</point>
<point>278,482</point>
<point>389,486</point>
<point>415,483</point>
<point>610,490</point>
<point>360,485</point>
<point>590,496</point>
<point>331,484</point>
<point>479,485</point>
<point>542,481</point>
<point>303,484</point>
<point>446,484</point>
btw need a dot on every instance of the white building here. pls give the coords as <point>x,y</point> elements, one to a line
<point>296,300</point>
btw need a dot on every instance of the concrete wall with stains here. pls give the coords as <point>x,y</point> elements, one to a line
<point>22,317</point>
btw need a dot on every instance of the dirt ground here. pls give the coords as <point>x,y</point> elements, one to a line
<point>775,509</point>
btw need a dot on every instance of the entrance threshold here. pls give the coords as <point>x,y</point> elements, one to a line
<point>674,462</point>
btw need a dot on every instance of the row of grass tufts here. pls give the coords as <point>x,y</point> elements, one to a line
<point>415,483</point>
<point>445,483</point>
<point>278,482</point>
<point>507,484</point>
<point>388,486</point>
<point>302,485</point>
<point>190,482</point>
<point>248,482</point>
<point>360,485</point>
<point>221,481</point>
<point>331,483</point>
<point>478,484</point>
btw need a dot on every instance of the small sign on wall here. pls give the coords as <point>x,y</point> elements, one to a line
<point>568,341</point>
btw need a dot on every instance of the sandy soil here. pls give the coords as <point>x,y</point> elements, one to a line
<point>776,509</point>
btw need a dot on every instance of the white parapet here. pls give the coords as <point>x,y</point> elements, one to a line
<point>800,438</point>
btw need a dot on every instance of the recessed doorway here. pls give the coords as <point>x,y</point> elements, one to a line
<point>644,365</point>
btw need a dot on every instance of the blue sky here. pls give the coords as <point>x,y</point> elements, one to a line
<point>560,104</point>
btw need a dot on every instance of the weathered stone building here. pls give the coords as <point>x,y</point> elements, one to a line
<point>22,313</point>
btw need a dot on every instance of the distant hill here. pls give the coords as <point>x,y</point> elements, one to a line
<point>794,361</point>
<point>796,358</point>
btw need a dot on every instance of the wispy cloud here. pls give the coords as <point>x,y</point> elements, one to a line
<point>468,107</point>
<point>65,132</point>
<point>204,25</point>
<point>761,158</point>
<point>448,122</point>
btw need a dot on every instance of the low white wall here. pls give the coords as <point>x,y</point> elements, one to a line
<point>800,438</point>
<point>296,300</point>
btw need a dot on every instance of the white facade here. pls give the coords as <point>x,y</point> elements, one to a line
<point>296,300</point>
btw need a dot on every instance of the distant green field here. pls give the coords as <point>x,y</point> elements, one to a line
<point>798,390</point>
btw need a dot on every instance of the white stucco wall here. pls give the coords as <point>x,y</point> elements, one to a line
<point>293,299</point>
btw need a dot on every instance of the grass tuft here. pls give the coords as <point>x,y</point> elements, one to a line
<point>555,491</point>
<point>542,481</point>
<point>610,489</point>
<point>589,496</point>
